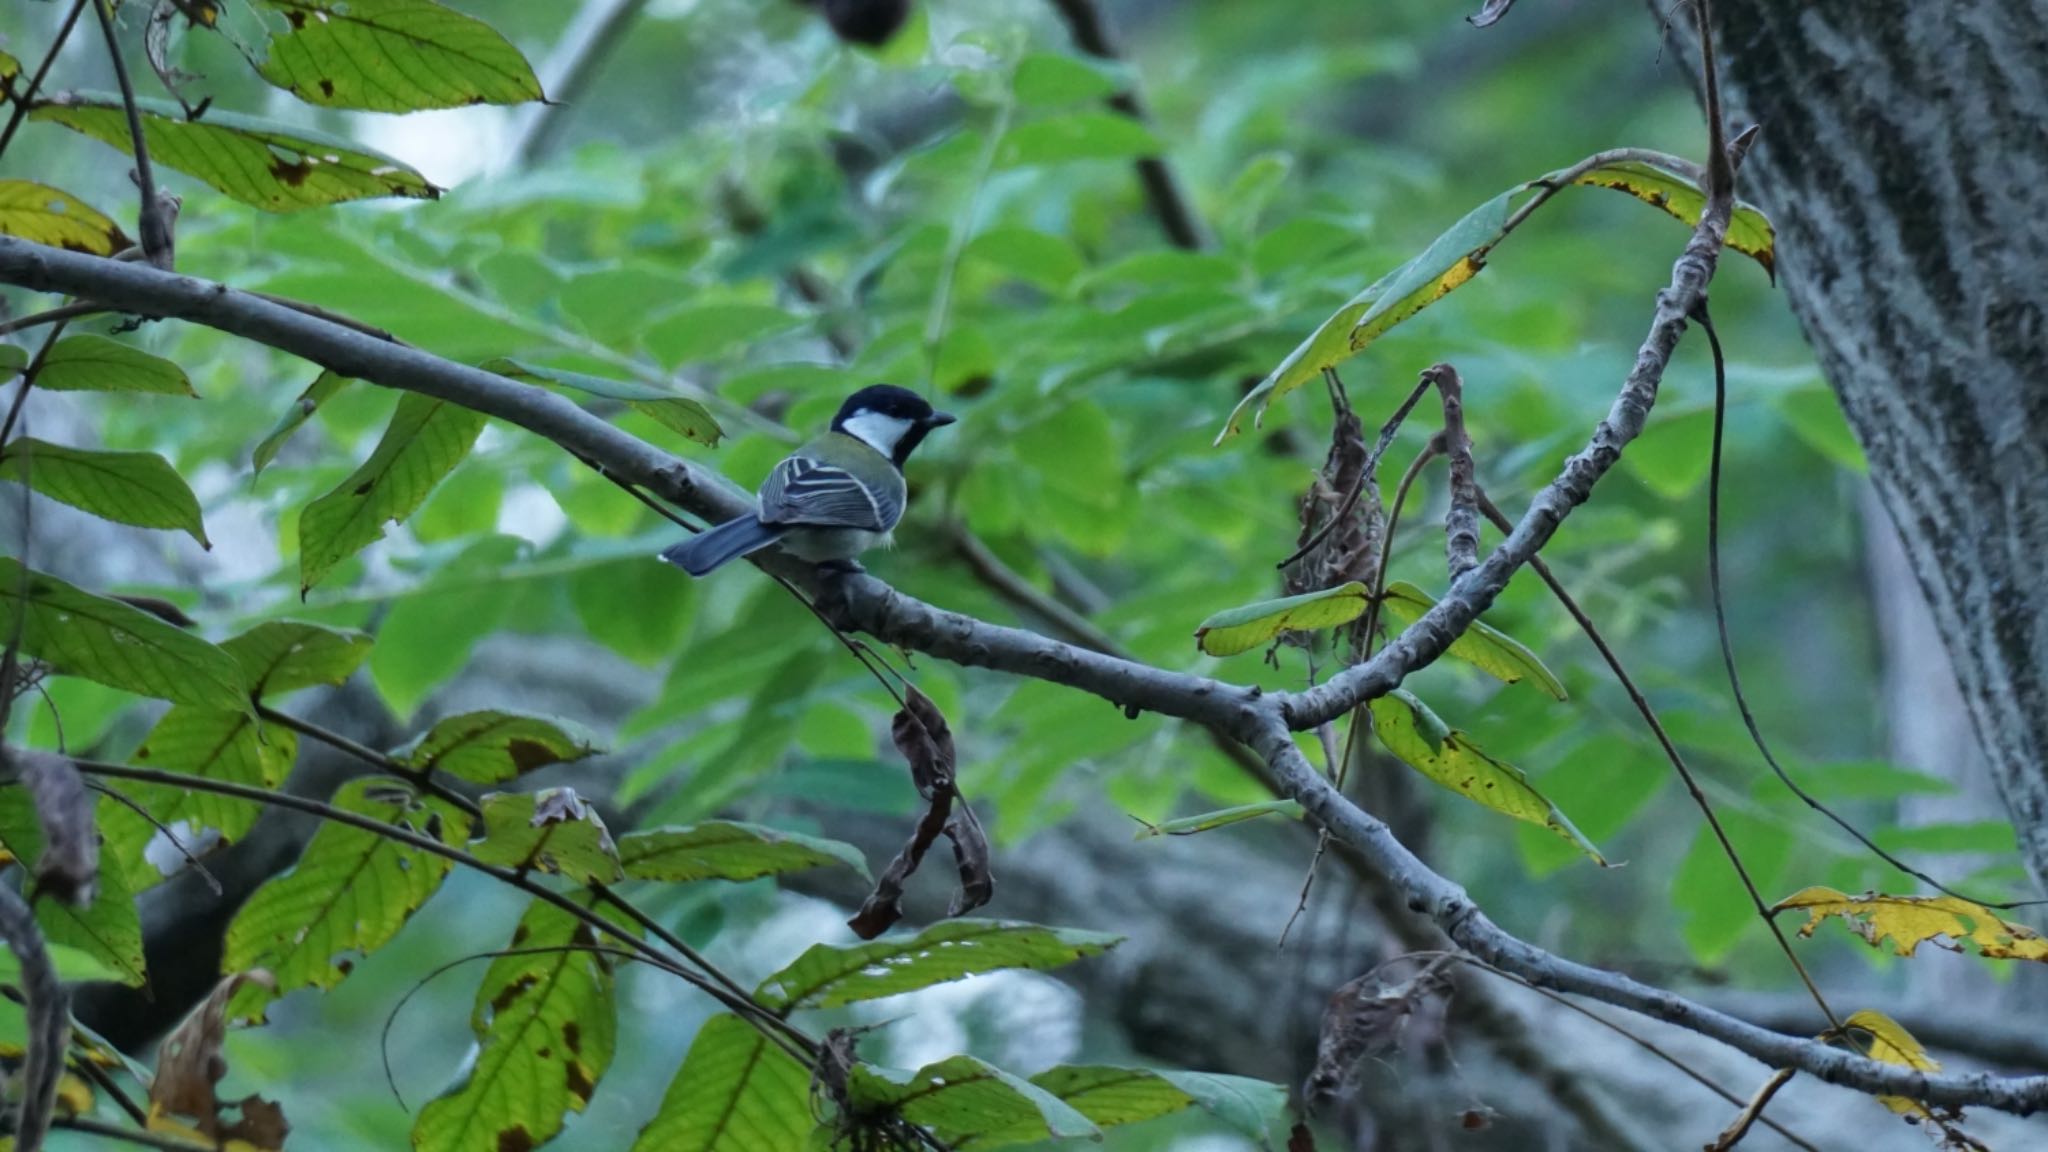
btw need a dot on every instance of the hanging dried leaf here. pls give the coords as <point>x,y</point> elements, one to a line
<point>68,868</point>
<point>1490,15</point>
<point>1369,1015</point>
<point>190,1064</point>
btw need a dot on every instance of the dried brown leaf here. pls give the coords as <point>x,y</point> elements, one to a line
<point>70,864</point>
<point>1490,14</point>
<point>1369,1016</point>
<point>190,1064</point>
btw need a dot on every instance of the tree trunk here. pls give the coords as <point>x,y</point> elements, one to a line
<point>1904,164</point>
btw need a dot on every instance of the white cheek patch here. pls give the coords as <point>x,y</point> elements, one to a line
<point>882,433</point>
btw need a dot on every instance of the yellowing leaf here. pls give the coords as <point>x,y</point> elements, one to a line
<point>269,166</point>
<point>393,56</point>
<point>424,442</point>
<point>1910,921</point>
<point>492,747</point>
<point>554,831</point>
<point>1451,260</point>
<point>1414,734</point>
<point>1749,230</point>
<point>47,215</point>
<point>965,1100</point>
<point>1238,630</point>
<point>1881,1038</point>
<point>140,489</point>
<point>1484,647</point>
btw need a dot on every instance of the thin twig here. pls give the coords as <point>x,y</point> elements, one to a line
<point>71,311</point>
<point>1671,754</point>
<point>154,229</point>
<point>26,98</point>
<point>578,60</point>
<point>1752,1111</point>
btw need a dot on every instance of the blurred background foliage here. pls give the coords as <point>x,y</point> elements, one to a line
<point>960,213</point>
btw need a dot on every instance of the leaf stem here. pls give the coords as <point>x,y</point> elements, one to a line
<point>151,221</point>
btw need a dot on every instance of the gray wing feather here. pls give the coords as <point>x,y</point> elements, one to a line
<point>802,491</point>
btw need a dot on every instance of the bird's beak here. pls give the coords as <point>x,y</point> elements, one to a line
<point>940,419</point>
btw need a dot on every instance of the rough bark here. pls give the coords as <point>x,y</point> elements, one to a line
<point>1902,161</point>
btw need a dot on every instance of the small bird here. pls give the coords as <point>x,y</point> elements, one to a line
<point>833,498</point>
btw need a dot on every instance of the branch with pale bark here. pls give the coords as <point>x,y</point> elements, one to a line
<point>1266,722</point>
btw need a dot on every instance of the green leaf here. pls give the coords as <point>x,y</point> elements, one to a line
<point>736,1092</point>
<point>108,930</point>
<point>1449,261</point>
<point>553,831</point>
<point>281,656</point>
<point>96,364</point>
<point>13,358</point>
<point>827,977</point>
<point>493,747</point>
<point>1862,780</point>
<point>1484,647</point>
<point>262,164</point>
<point>962,1098</point>
<point>1076,136</point>
<point>635,608</point>
<point>701,332</point>
<point>212,745</point>
<point>1414,734</point>
<point>426,439</point>
<point>547,1020</point>
<point>1243,629</point>
<point>1749,230</point>
<point>727,850</point>
<point>108,642</point>
<point>1994,837</point>
<point>135,488</point>
<point>428,637</point>
<point>317,393</point>
<point>1716,907</point>
<point>1673,454</point>
<point>1222,818</point>
<point>1110,1096</point>
<point>46,215</point>
<point>1042,259</point>
<point>393,56</point>
<point>1816,418</point>
<point>348,895</point>
<point>678,414</point>
<point>1047,79</point>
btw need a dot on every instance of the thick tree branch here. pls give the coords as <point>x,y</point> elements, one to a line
<point>1265,720</point>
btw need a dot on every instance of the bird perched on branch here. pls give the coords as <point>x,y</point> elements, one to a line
<point>833,498</point>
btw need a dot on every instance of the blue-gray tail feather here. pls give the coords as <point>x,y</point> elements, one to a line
<point>729,541</point>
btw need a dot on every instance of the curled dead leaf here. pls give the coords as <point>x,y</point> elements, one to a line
<point>189,1066</point>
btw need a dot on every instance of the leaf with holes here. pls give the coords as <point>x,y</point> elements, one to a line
<point>1449,261</point>
<point>210,744</point>
<point>283,656</point>
<point>737,1091</point>
<point>96,364</point>
<point>554,831</point>
<point>262,164</point>
<point>1414,734</point>
<point>348,895</point>
<point>50,216</point>
<point>109,929</point>
<point>393,56</point>
<point>1749,230</point>
<point>1221,818</point>
<point>1910,921</point>
<point>1238,630</point>
<point>317,393</point>
<point>728,850</point>
<point>493,747</point>
<point>111,643</point>
<point>679,414</point>
<point>1883,1039</point>
<point>424,442</point>
<point>140,489</point>
<point>546,1019</point>
<point>826,977</point>
<point>1483,646</point>
<point>963,1099</point>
